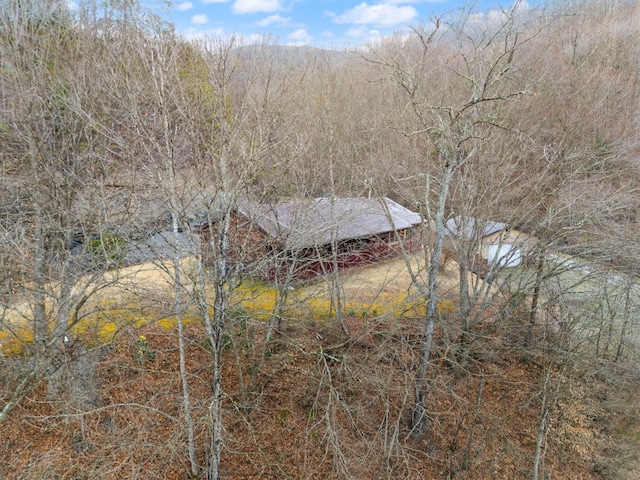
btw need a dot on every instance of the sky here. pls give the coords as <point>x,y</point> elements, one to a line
<point>320,23</point>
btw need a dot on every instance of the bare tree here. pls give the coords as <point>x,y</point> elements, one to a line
<point>157,112</point>
<point>452,124</point>
<point>233,134</point>
<point>55,212</point>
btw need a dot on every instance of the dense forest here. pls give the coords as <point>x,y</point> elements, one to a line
<point>122,363</point>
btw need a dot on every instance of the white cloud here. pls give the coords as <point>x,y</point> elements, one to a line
<point>274,19</point>
<point>256,6</point>
<point>327,34</point>
<point>184,6</point>
<point>363,36</point>
<point>214,1</point>
<point>300,36</point>
<point>356,32</point>
<point>200,19</point>
<point>385,14</point>
<point>362,33</point>
<point>492,17</point>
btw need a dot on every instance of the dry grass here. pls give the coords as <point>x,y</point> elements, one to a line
<point>143,293</point>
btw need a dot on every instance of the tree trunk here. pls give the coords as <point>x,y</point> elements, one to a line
<point>533,311</point>
<point>542,427</point>
<point>627,317</point>
<point>39,306</point>
<point>216,330</point>
<point>419,416</point>
<point>186,402</point>
<point>215,408</point>
<point>466,462</point>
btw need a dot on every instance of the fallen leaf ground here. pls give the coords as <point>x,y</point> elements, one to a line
<point>319,407</point>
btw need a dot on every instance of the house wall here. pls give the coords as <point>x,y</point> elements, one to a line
<point>314,262</point>
<point>479,262</point>
<point>513,237</point>
<point>262,256</point>
<point>248,243</point>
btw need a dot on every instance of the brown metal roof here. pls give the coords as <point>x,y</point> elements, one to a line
<point>312,222</point>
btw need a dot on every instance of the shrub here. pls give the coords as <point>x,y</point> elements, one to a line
<point>109,250</point>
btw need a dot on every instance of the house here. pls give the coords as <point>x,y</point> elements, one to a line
<point>303,238</point>
<point>496,243</point>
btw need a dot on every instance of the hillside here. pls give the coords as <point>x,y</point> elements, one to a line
<point>124,143</point>
<point>321,407</point>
